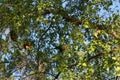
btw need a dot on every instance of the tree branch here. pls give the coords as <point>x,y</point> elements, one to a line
<point>95,56</point>
<point>114,34</point>
<point>2,62</point>
<point>71,65</point>
<point>101,54</point>
<point>64,14</point>
<point>56,77</point>
<point>45,32</point>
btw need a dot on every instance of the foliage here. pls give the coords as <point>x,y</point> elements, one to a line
<point>59,39</point>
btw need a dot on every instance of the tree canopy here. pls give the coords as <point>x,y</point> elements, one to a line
<point>59,39</point>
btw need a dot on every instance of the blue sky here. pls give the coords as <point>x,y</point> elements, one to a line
<point>115,7</point>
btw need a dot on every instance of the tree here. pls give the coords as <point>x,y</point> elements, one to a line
<point>59,39</point>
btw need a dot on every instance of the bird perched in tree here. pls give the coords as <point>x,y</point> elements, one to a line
<point>13,35</point>
<point>26,46</point>
<point>61,48</point>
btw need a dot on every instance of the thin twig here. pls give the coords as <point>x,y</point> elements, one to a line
<point>45,31</point>
<point>56,77</point>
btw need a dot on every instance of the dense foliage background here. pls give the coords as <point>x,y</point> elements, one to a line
<point>59,39</point>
